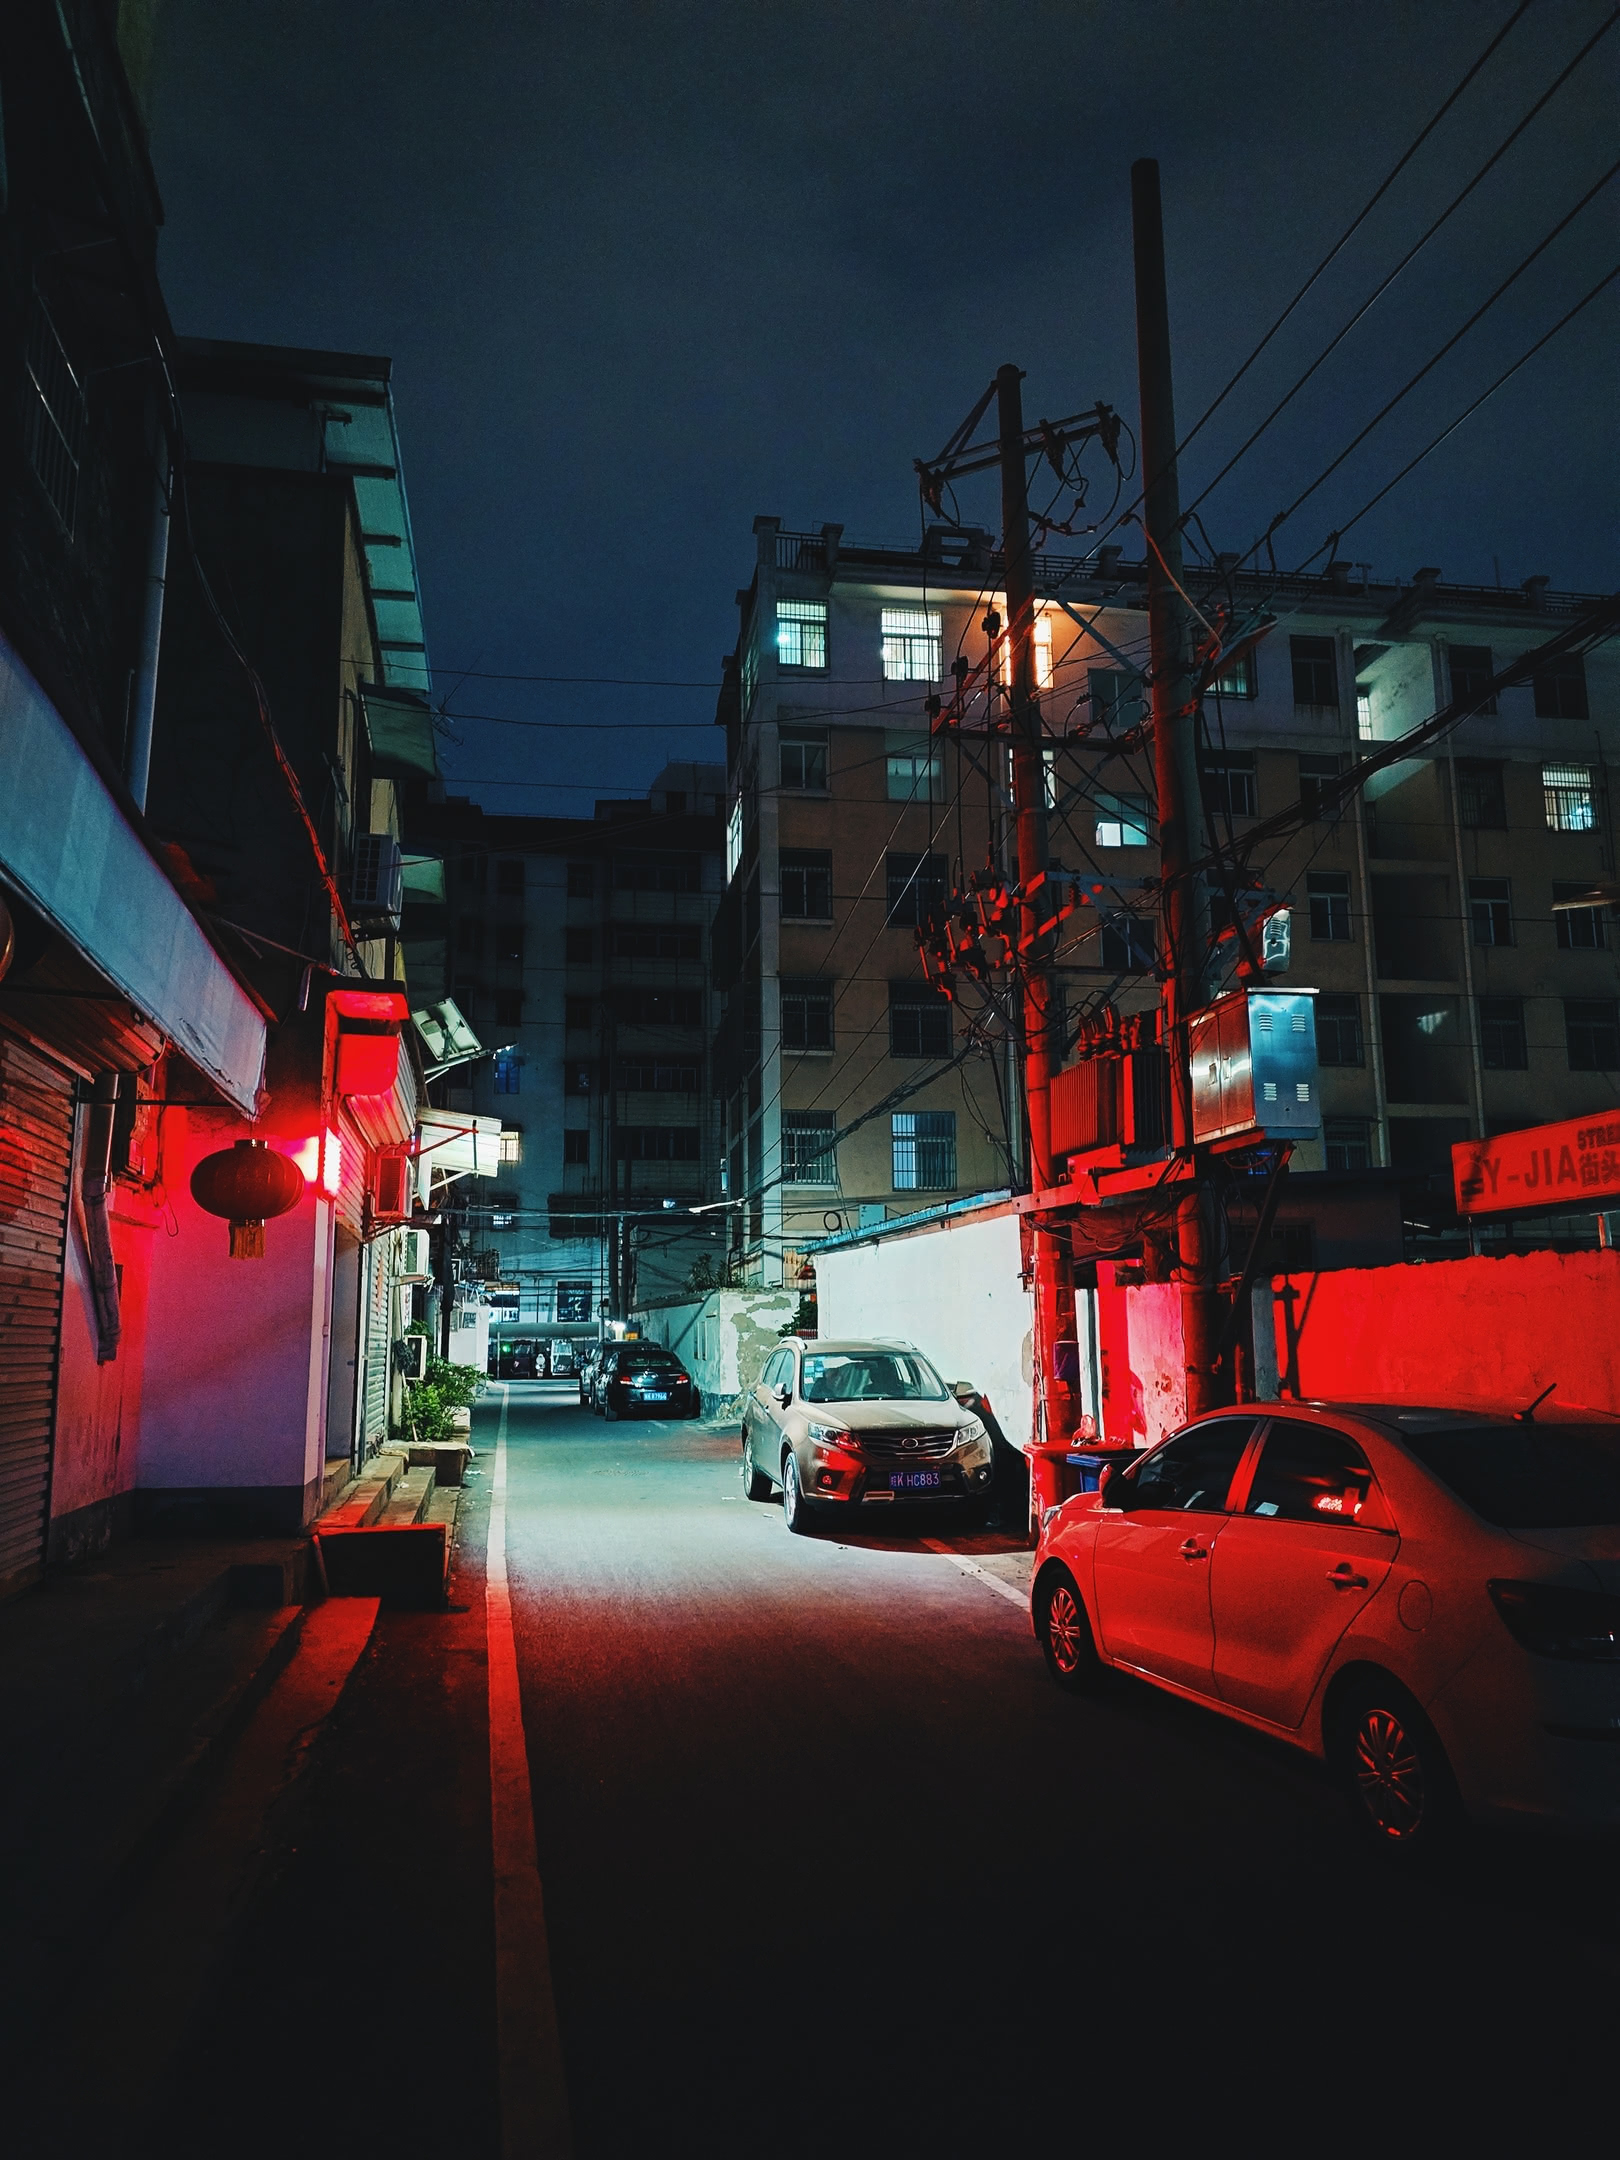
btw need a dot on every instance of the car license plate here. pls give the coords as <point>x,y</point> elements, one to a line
<point>914,1481</point>
<point>657,1394</point>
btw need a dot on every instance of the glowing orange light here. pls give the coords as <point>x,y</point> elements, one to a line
<point>321,1160</point>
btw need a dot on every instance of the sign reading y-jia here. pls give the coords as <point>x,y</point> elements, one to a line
<point>1575,1164</point>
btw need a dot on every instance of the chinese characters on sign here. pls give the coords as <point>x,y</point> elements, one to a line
<point>1575,1164</point>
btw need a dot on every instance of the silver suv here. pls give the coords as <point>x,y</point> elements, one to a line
<point>859,1425</point>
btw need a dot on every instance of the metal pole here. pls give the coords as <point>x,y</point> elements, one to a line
<point>1175,763</point>
<point>143,704</point>
<point>1053,1266</point>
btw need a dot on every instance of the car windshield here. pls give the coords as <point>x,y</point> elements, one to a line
<point>871,1376</point>
<point>1528,1477</point>
<point>640,1360</point>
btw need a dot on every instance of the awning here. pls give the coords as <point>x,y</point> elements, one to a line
<point>400,728</point>
<point>456,1140</point>
<point>73,854</point>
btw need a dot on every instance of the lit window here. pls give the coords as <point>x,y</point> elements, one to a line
<point>508,1072</point>
<point>1043,654</point>
<point>511,1143</point>
<point>808,1154</point>
<point>1567,793</point>
<point>801,633</point>
<point>734,837</point>
<point>923,1143</point>
<point>750,675</point>
<point>911,645</point>
<point>1236,679</point>
<point>1364,718</point>
<point>1122,821</point>
<point>916,770</point>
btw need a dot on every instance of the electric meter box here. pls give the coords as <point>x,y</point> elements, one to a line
<point>1253,1057</point>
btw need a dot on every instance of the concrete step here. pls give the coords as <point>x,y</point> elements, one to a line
<point>448,1459</point>
<point>376,1543</point>
<point>410,1499</point>
<point>362,1501</point>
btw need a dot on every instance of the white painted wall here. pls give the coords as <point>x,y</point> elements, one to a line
<point>724,1338</point>
<point>955,1290</point>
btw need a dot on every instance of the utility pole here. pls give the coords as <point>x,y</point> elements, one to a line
<point>1175,768</point>
<point>1053,1266</point>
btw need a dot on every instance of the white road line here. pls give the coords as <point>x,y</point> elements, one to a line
<point>533,2096</point>
<point>1020,1598</point>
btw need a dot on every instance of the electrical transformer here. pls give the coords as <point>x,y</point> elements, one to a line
<point>1253,1057</point>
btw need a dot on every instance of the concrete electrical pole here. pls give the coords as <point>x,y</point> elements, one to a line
<point>1175,766</point>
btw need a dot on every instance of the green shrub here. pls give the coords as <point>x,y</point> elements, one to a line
<point>458,1385</point>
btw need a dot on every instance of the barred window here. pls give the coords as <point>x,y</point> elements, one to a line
<point>807,884</point>
<point>919,1021</point>
<point>923,1144</point>
<point>801,633</point>
<point>808,1153</point>
<point>1592,1034</point>
<point>807,1015</point>
<point>1502,1044</point>
<point>804,758</point>
<point>916,886</point>
<point>1348,1143</point>
<point>1578,929</point>
<point>911,645</point>
<point>511,1143</point>
<point>1567,796</point>
<point>1338,1030</point>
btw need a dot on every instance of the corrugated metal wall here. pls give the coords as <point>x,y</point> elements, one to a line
<point>377,1348</point>
<point>36,1165</point>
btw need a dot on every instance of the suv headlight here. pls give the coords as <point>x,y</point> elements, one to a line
<point>829,1435</point>
<point>973,1436</point>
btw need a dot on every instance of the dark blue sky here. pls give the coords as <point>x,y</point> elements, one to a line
<point>645,270</point>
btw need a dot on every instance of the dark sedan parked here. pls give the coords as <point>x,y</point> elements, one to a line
<point>641,1380</point>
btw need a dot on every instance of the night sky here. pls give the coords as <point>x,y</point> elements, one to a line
<point>645,271</point>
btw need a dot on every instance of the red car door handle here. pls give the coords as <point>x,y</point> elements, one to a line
<point>1192,1550</point>
<point>1344,1577</point>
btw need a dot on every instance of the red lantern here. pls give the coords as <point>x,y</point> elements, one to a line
<point>247,1183</point>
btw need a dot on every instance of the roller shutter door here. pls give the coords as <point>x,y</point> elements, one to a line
<point>379,1338</point>
<point>36,1163</point>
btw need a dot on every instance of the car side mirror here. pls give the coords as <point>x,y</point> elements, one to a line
<point>783,1393</point>
<point>1114,1488</point>
<point>964,1391</point>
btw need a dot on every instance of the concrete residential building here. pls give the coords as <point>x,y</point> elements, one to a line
<point>1453,1001</point>
<point>579,951</point>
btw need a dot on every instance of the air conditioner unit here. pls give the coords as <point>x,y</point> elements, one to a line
<point>391,1185</point>
<point>377,881</point>
<point>411,1356</point>
<point>414,1264</point>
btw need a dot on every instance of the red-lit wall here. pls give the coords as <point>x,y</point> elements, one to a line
<point>1498,1330</point>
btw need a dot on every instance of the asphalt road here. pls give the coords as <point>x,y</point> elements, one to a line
<point>830,1867</point>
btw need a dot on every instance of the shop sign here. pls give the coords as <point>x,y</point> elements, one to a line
<point>1575,1164</point>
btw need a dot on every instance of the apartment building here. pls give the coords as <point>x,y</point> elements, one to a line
<point>579,951</point>
<point>1452,999</point>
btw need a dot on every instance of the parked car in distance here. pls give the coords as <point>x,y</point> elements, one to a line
<point>562,1358</point>
<point>585,1368</point>
<point>1426,1599</point>
<point>852,1426</point>
<point>639,1379</point>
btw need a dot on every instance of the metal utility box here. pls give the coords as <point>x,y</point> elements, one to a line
<point>1253,1056</point>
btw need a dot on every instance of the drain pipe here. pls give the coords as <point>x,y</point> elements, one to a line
<point>144,701</point>
<point>95,1183</point>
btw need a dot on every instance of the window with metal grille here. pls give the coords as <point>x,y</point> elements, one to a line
<point>1338,1030</point>
<point>1579,929</point>
<point>808,1154</point>
<point>801,633</point>
<point>1127,944</point>
<point>1490,907</point>
<point>657,1143</point>
<point>1567,797</point>
<point>804,758</point>
<point>573,1301</point>
<point>581,880</point>
<point>648,941</point>
<point>1316,670</point>
<point>576,1144</point>
<point>657,873</point>
<point>1122,820</point>
<point>1116,699</point>
<point>1329,895</point>
<point>1502,1044</point>
<point>919,1021</point>
<point>655,1077</point>
<point>1592,1034</point>
<point>1471,673</point>
<point>579,947</point>
<point>1364,712</point>
<point>923,1145</point>
<point>916,770</point>
<point>1347,1143</point>
<point>512,1143</point>
<point>916,885</point>
<point>1237,679</point>
<point>1317,774</point>
<point>1229,782</point>
<point>1560,688</point>
<point>911,645</point>
<point>55,423</point>
<point>807,884</point>
<point>1481,797</point>
<point>807,1017</point>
